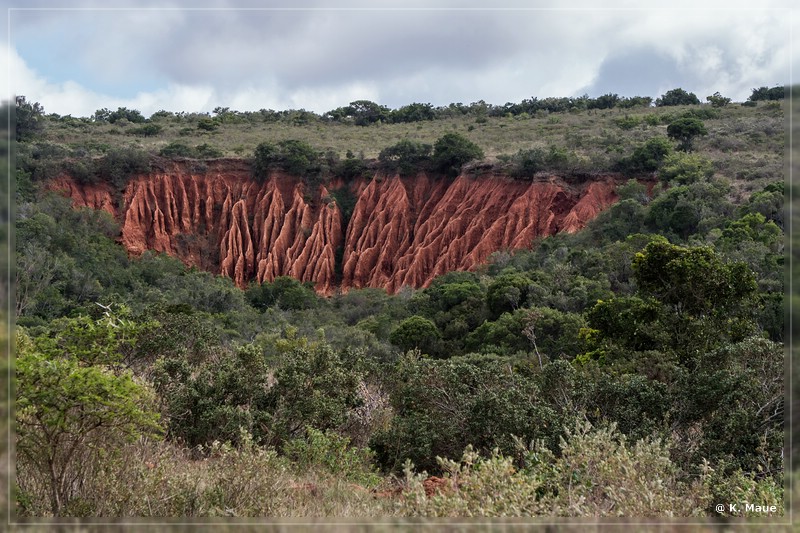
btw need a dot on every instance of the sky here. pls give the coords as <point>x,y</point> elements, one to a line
<point>318,56</point>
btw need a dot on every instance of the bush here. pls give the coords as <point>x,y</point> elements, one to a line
<point>677,97</point>
<point>648,157</point>
<point>683,169</point>
<point>148,130</point>
<point>597,473</point>
<point>717,100</point>
<point>177,149</point>
<point>121,164</point>
<point>763,93</point>
<point>451,151</point>
<point>417,332</point>
<point>684,130</point>
<point>330,452</point>
<point>295,157</point>
<point>406,157</point>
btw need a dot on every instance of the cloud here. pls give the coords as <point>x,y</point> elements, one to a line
<point>78,61</point>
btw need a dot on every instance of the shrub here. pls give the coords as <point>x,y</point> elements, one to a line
<point>451,151</point>
<point>764,93</point>
<point>683,169</point>
<point>684,130</point>
<point>177,149</point>
<point>598,473</point>
<point>332,453</point>
<point>406,157</point>
<point>294,156</point>
<point>148,130</point>
<point>417,332</point>
<point>717,100</point>
<point>648,157</point>
<point>207,124</point>
<point>677,97</point>
<point>121,164</point>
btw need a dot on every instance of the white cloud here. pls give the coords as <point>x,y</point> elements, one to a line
<point>195,61</point>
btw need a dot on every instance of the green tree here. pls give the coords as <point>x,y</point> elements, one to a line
<point>708,301</point>
<point>684,130</point>
<point>365,112</point>
<point>717,100</point>
<point>406,157</point>
<point>693,281</point>
<point>683,169</point>
<point>29,118</point>
<point>69,415</point>
<point>765,93</point>
<point>451,151</point>
<point>647,157</point>
<point>315,386</point>
<point>441,405</point>
<point>507,292</point>
<point>677,97</point>
<point>417,332</point>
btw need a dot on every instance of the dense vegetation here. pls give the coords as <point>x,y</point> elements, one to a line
<point>634,368</point>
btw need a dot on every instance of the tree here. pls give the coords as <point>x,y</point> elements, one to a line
<point>765,93</point>
<point>677,97</point>
<point>693,281</point>
<point>684,130</point>
<point>717,100</point>
<point>69,413</point>
<point>315,386</point>
<point>683,169</point>
<point>647,157</point>
<point>452,150</point>
<point>405,157</point>
<point>29,118</point>
<point>417,332</point>
<point>414,113</point>
<point>365,112</point>
<point>507,292</point>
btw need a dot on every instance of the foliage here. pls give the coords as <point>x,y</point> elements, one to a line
<point>677,97</point>
<point>597,473</point>
<point>684,130</point>
<point>768,93</point>
<point>284,292</point>
<point>69,414</point>
<point>122,113</point>
<point>331,453</point>
<point>201,151</point>
<point>417,332</point>
<point>119,165</point>
<point>147,130</point>
<point>693,281</point>
<point>441,404</point>
<point>406,157</point>
<point>717,100</point>
<point>28,118</point>
<point>507,292</point>
<point>683,169</point>
<point>648,156</point>
<point>314,386</point>
<point>451,151</point>
<point>294,156</point>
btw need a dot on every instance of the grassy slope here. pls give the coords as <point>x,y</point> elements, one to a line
<point>746,144</point>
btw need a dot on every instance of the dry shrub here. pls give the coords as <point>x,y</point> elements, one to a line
<point>597,474</point>
<point>158,479</point>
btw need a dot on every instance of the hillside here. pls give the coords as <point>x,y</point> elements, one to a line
<point>564,307</point>
<point>402,231</point>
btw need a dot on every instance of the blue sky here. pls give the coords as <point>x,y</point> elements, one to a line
<point>149,58</point>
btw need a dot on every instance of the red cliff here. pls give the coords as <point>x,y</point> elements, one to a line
<point>403,231</point>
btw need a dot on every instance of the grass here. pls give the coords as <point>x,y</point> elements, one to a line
<point>746,144</point>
